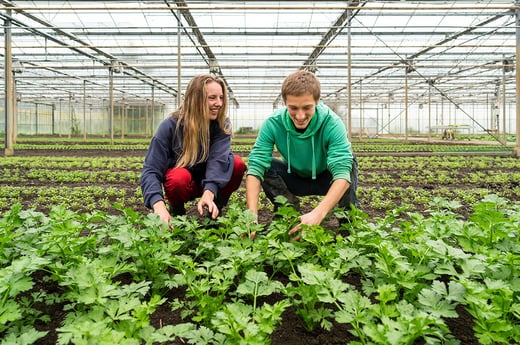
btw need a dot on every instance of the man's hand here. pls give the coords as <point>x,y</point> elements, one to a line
<point>312,218</point>
<point>316,216</point>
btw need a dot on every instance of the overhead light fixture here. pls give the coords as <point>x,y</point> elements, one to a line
<point>214,68</point>
<point>410,65</point>
<point>312,67</point>
<point>17,66</point>
<point>508,66</point>
<point>116,66</point>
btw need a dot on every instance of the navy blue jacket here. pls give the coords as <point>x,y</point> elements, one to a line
<point>165,149</point>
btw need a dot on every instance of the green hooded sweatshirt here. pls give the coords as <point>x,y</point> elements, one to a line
<point>323,146</point>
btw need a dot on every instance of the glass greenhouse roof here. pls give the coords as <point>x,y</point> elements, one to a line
<point>67,48</point>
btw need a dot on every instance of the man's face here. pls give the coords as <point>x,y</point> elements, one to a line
<point>301,109</point>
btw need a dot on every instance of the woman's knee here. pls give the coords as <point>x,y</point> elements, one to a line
<point>177,178</point>
<point>239,167</point>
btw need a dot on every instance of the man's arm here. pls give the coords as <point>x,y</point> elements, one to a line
<point>329,201</point>
<point>259,161</point>
<point>252,193</point>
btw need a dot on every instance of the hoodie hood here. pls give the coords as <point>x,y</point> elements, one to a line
<point>320,112</point>
<point>295,138</point>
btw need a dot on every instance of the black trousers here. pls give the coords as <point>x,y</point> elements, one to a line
<point>277,181</point>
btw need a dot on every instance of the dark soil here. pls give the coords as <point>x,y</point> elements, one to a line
<point>290,332</point>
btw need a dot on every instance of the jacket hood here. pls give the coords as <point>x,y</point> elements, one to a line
<point>320,112</point>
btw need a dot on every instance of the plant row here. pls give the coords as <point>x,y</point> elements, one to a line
<point>245,144</point>
<point>367,162</point>
<point>428,175</point>
<point>360,148</point>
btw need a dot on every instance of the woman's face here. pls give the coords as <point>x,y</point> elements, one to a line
<point>215,98</point>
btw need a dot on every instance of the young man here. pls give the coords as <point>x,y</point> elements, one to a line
<point>316,154</point>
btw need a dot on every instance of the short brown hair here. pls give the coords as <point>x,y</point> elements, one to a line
<point>301,82</point>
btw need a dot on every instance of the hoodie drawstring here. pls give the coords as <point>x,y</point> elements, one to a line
<point>313,160</point>
<point>288,154</point>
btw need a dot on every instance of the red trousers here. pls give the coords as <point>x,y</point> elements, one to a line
<point>180,187</point>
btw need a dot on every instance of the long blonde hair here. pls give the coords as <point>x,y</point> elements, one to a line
<point>194,115</point>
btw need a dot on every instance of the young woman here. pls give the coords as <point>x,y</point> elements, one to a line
<point>190,155</point>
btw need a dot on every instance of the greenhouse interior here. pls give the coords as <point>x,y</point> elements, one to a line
<point>117,68</point>
<point>403,229</point>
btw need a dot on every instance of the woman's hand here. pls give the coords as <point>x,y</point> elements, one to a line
<point>160,208</point>
<point>207,201</point>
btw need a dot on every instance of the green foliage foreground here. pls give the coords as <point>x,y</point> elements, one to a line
<point>109,274</point>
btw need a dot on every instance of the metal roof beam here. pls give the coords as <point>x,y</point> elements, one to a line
<point>210,58</point>
<point>327,38</point>
<point>111,58</point>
